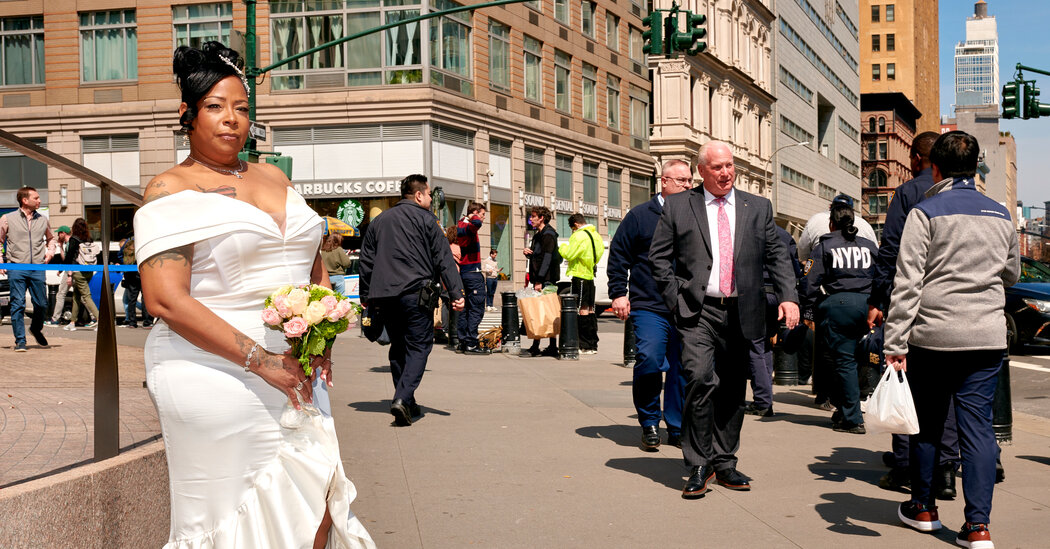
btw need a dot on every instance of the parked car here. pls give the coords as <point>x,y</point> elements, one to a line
<point>1028,306</point>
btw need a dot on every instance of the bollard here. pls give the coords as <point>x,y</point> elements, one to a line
<point>511,336</point>
<point>1002,414</point>
<point>630,344</point>
<point>569,336</point>
<point>785,364</point>
<point>453,328</point>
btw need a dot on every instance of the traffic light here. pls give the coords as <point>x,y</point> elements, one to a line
<point>653,33</point>
<point>1031,100</point>
<point>697,32</point>
<point>1013,94</point>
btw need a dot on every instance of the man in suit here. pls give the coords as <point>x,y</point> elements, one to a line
<point>708,252</point>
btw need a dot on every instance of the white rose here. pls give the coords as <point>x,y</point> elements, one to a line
<point>314,313</point>
<point>298,300</point>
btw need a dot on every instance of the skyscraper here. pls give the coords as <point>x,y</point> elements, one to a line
<point>977,60</point>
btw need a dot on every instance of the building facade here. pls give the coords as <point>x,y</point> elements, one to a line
<point>818,77</point>
<point>888,123</point>
<point>977,60</point>
<point>899,53</point>
<point>542,103</point>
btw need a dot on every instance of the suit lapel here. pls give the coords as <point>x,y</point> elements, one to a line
<point>743,219</point>
<point>696,202</point>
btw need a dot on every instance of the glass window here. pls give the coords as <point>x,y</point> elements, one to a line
<point>587,10</point>
<point>641,186</point>
<point>19,171</point>
<point>891,71</point>
<point>612,92</point>
<point>613,197</point>
<point>108,45</point>
<point>891,42</point>
<point>871,148</point>
<point>535,4</point>
<point>533,170</point>
<point>21,51</point>
<point>533,70</point>
<point>639,117</point>
<point>877,204</point>
<point>874,14</point>
<point>561,11</point>
<point>875,42</point>
<point>450,40</point>
<point>635,44</point>
<point>563,177</point>
<point>590,93</point>
<point>612,31</point>
<point>614,224</point>
<point>882,151</point>
<point>877,178</point>
<point>590,182</point>
<point>882,124</point>
<point>562,78</point>
<point>499,55</point>
<point>889,13</point>
<point>871,124</point>
<point>876,72</point>
<point>200,23</point>
<point>403,48</point>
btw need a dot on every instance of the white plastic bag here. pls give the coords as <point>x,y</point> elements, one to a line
<point>890,408</point>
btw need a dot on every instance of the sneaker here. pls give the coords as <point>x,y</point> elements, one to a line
<point>920,517</point>
<point>20,348</point>
<point>91,324</point>
<point>975,536</point>
<point>588,351</point>
<point>53,323</point>
<point>827,406</point>
<point>71,327</point>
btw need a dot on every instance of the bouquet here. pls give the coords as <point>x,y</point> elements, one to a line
<point>310,317</point>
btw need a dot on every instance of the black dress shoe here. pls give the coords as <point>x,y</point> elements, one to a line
<point>674,440</point>
<point>944,482</point>
<point>696,486</point>
<point>402,417</point>
<point>650,438</point>
<point>415,411</point>
<point>550,351</point>
<point>475,351</point>
<point>39,336</point>
<point>733,479</point>
<point>461,348</point>
<point>753,409</point>
<point>897,479</point>
<point>889,460</point>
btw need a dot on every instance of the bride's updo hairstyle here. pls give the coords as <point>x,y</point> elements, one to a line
<point>198,70</point>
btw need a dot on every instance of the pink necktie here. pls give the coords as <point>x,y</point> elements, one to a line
<point>725,250</point>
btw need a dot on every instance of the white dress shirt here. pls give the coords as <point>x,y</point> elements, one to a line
<point>712,227</point>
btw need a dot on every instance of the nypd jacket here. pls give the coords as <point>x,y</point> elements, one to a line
<point>582,251</point>
<point>905,198</point>
<point>629,259</point>
<point>957,254</point>
<point>837,264</point>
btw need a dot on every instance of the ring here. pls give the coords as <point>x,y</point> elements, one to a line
<point>299,386</point>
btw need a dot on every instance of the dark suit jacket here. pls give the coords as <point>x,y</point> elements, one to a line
<point>682,263</point>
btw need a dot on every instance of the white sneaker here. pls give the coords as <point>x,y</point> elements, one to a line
<point>70,327</point>
<point>589,351</point>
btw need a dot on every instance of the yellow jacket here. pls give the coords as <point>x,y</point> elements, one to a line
<point>580,254</point>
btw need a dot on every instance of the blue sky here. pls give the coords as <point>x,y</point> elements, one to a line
<point>1022,39</point>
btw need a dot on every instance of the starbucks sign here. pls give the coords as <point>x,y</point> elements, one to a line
<point>351,212</point>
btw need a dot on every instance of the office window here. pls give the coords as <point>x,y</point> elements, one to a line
<point>534,170</point>
<point>876,72</point>
<point>875,42</point>
<point>587,10</point>
<point>499,55</point>
<point>200,23</point>
<point>796,178</point>
<point>562,79</point>
<point>877,204</point>
<point>450,40</point>
<point>561,11</point>
<point>590,93</point>
<point>108,46</point>
<point>635,45</point>
<point>891,71</point>
<point>641,189</point>
<point>535,4</point>
<point>533,70</point>
<point>22,50</point>
<point>874,14</point>
<point>612,93</point>
<point>590,182</point>
<point>891,42</point>
<point>882,151</point>
<point>889,13</point>
<point>563,177</point>
<point>613,198</point>
<point>612,31</point>
<point>20,170</point>
<point>639,114</point>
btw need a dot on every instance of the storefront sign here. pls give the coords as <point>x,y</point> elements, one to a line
<point>351,212</point>
<point>533,200</point>
<point>588,209</point>
<point>349,188</point>
<point>562,205</point>
<point>614,213</point>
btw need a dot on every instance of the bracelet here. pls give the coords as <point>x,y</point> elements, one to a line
<point>248,361</point>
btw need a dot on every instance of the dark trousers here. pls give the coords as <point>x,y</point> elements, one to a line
<point>714,362</point>
<point>969,379</point>
<point>947,449</point>
<point>132,286</point>
<point>19,282</point>
<point>657,367</point>
<point>411,331</point>
<point>468,320</point>
<point>761,358</point>
<point>586,325</point>
<point>844,320</point>
<point>490,291</point>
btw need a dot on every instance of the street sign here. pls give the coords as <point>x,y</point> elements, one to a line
<point>257,131</point>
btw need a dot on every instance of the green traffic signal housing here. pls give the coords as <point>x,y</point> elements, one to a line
<point>696,32</point>
<point>653,33</point>
<point>1013,93</point>
<point>1033,108</point>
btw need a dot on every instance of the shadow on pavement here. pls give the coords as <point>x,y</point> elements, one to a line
<point>383,407</point>
<point>668,471</point>
<point>380,369</point>
<point>845,513</point>
<point>848,462</point>
<point>624,435</point>
<point>1038,459</point>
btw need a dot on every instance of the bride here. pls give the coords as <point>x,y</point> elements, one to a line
<point>215,237</point>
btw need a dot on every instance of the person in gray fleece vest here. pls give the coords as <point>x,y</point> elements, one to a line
<point>957,254</point>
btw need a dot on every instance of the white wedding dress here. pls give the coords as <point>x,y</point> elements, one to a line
<point>238,479</point>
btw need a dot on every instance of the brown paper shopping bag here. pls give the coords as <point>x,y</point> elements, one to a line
<point>542,315</point>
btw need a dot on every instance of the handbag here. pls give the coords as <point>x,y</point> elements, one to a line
<point>890,408</point>
<point>372,326</point>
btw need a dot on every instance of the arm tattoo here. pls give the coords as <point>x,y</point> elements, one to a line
<point>182,255</point>
<point>154,191</point>
<point>225,190</point>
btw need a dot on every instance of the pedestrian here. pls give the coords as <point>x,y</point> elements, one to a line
<point>712,289</point>
<point>27,238</point>
<point>469,264</point>
<point>402,253</point>
<point>335,261</point>
<point>491,269</point>
<point>582,252</point>
<point>61,257</point>
<point>635,297</point>
<point>544,266</point>
<point>905,198</point>
<point>131,282</point>
<point>946,329</point>
<point>838,282</point>
<point>84,251</point>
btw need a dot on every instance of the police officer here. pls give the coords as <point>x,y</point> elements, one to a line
<point>843,265</point>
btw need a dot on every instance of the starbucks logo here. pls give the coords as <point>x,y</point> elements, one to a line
<point>351,212</point>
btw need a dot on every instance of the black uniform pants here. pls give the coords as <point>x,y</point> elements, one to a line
<point>411,331</point>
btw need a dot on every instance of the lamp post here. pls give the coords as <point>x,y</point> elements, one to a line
<point>769,170</point>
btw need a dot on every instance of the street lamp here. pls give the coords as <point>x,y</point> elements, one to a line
<point>769,169</point>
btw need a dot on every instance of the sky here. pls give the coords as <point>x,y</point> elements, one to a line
<point>1022,28</point>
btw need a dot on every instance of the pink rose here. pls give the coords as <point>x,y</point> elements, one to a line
<point>295,327</point>
<point>271,316</point>
<point>281,304</point>
<point>340,310</point>
<point>329,302</point>
<point>298,299</point>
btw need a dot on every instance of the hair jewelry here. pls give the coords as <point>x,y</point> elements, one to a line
<point>244,79</point>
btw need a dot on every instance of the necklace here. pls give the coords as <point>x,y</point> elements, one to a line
<point>242,166</point>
